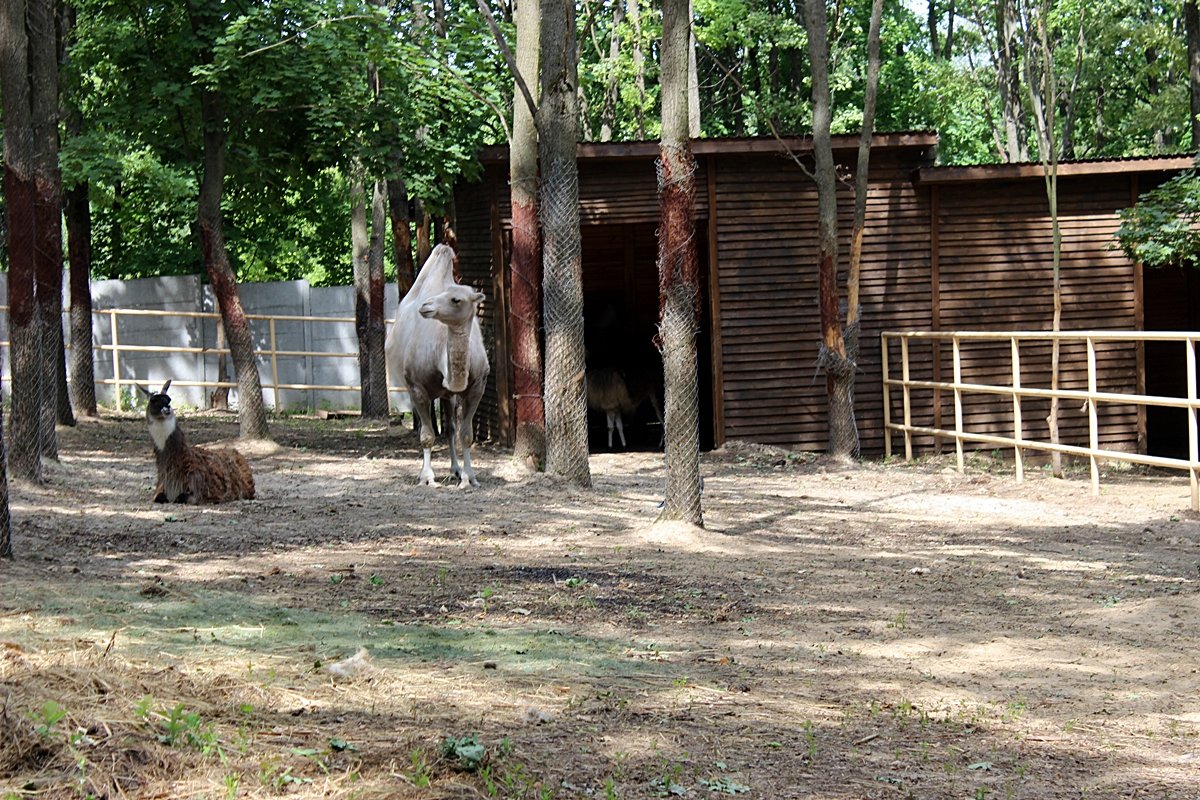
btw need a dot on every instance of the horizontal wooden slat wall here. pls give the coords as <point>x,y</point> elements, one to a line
<point>995,267</point>
<point>473,217</point>
<point>767,277</point>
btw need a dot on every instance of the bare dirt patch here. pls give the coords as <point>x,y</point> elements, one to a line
<point>834,632</point>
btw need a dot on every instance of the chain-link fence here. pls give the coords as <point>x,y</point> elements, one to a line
<point>566,398</point>
<point>679,292</point>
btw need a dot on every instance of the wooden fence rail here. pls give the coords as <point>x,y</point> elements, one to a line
<point>115,349</point>
<point>1091,397</point>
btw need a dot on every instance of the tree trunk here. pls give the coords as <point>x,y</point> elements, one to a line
<point>693,79</point>
<point>252,415</point>
<point>633,11</point>
<point>43,64</point>
<point>948,45</point>
<point>218,398</point>
<point>78,212</point>
<point>931,25</point>
<point>1191,24</point>
<point>79,253</point>
<point>608,112</point>
<point>424,247</point>
<point>525,319</point>
<point>368,298</point>
<point>834,360</point>
<point>678,273</point>
<point>401,231</point>
<point>24,453</point>
<point>1008,78</point>
<point>861,187</point>
<point>566,402</point>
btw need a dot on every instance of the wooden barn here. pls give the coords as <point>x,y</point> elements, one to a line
<point>946,248</point>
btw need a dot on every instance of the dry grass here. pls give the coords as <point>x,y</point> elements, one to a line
<point>835,631</point>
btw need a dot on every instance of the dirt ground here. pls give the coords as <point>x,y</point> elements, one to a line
<point>866,631</point>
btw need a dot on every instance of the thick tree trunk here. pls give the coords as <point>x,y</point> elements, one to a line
<point>401,231</point>
<point>368,299</point>
<point>678,273</point>
<point>525,320</point>
<point>21,207</point>
<point>252,415</point>
<point>566,402</point>
<point>79,253</point>
<point>78,212</point>
<point>834,360</point>
<point>43,64</point>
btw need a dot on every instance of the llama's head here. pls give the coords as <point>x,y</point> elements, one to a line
<point>159,414</point>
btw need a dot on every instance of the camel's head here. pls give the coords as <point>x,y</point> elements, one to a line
<point>455,306</point>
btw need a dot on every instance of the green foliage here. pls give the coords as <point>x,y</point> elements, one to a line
<point>1163,228</point>
<point>302,117</point>
<point>465,752</point>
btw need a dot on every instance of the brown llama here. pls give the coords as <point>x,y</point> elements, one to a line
<point>189,474</point>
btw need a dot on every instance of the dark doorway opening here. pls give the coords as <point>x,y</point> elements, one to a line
<point>620,312</point>
<point>1172,303</point>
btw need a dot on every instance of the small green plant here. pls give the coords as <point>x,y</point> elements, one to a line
<point>418,770</point>
<point>900,621</point>
<point>465,752</point>
<point>810,739</point>
<point>46,717</point>
<point>724,785</point>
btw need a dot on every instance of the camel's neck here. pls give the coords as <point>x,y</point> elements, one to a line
<point>458,357</point>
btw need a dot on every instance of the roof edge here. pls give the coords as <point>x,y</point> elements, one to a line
<point>731,146</point>
<point>988,172</point>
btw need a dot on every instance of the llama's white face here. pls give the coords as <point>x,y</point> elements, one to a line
<point>161,419</point>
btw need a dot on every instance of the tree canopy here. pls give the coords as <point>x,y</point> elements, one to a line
<point>302,112</point>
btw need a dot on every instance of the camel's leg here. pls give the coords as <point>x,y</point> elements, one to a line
<point>465,420</point>
<point>421,408</point>
<point>620,428</point>
<point>609,417</point>
<point>452,424</point>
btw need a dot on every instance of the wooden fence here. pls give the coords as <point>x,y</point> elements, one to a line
<point>1091,398</point>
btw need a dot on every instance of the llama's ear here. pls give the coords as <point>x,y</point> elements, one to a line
<point>477,297</point>
<point>166,386</point>
<point>145,391</point>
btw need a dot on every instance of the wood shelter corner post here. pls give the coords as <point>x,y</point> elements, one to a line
<point>904,375</point>
<point>887,397</point>
<point>1193,454</point>
<point>1018,424</point>
<point>1139,323</point>
<point>935,306</point>
<point>1093,417</point>
<point>714,305</point>
<point>958,410</point>
<point>116,360</point>
<point>505,408</point>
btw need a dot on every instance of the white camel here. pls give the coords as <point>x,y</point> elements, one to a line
<point>435,350</point>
